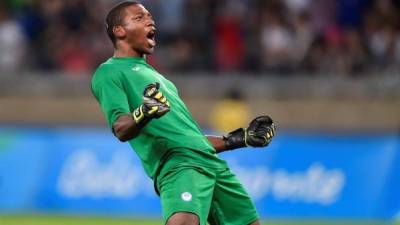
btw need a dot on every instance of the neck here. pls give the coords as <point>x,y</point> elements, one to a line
<point>124,50</point>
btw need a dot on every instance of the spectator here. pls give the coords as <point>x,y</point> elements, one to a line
<point>229,48</point>
<point>350,13</point>
<point>318,36</point>
<point>12,43</point>
<point>276,40</point>
<point>378,37</point>
<point>355,52</point>
<point>302,38</point>
<point>323,14</point>
<point>297,7</point>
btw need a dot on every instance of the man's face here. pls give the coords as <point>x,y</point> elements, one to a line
<point>140,29</point>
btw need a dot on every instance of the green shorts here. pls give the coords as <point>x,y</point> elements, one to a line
<point>214,195</point>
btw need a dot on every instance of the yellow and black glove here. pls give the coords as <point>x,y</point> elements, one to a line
<point>155,105</point>
<point>259,134</point>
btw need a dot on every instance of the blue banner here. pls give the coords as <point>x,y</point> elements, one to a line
<point>298,175</point>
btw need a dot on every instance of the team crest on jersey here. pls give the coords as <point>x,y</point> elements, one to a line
<point>186,196</point>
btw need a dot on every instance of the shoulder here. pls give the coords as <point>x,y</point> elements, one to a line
<point>106,72</point>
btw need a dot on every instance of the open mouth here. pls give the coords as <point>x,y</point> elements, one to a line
<point>151,37</point>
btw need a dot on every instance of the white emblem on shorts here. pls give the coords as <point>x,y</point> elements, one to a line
<point>186,196</point>
<point>135,68</point>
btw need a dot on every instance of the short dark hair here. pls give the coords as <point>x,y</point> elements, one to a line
<point>115,16</point>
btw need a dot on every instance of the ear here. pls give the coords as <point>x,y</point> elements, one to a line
<point>119,32</point>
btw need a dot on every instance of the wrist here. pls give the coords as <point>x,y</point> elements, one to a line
<point>235,139</point>
<point>140,116</point>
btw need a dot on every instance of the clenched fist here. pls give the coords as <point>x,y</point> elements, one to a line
<point>155,104</point>
<point>260,132</point>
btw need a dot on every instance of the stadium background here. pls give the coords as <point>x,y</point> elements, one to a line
<point>327,71</point>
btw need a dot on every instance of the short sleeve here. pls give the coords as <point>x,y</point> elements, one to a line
<point>108,89</point>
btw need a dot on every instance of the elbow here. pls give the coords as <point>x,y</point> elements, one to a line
<point>121,138</point>
<point>121,134</point>
<point>124,128</point>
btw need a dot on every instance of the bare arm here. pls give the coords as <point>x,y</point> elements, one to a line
<point>125,128</point>
<point>155,105</point>
<point>258,134</point>
<point>217,142</point>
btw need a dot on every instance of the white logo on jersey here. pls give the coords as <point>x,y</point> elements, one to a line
<point>135,68</point>
<point>186,196</point>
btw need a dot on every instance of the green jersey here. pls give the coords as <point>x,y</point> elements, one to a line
<point>118,86</point>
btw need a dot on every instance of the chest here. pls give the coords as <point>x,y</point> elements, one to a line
<point>139,76</point>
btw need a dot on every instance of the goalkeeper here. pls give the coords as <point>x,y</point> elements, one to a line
<point>144,108</point>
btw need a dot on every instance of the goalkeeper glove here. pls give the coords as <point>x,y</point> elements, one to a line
<point>155,105</point>
<point>258,134</point>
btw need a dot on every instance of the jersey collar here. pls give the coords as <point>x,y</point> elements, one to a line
<point>128,59</point>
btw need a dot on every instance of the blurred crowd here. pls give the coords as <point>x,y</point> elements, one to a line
<point>346,37</point>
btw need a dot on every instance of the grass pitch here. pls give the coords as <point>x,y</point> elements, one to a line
<point>83,220</point>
